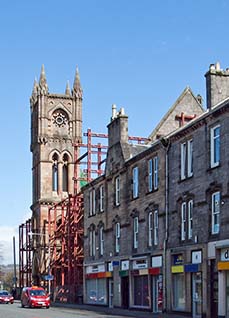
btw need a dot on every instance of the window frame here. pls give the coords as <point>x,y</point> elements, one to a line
<point>135,176</point>
<point>135,231</point>
<point>101,240</point>
<point>186,159</point>
<point>117,191</point>
<point>92,202</point>
<point>213,147</point>
<point>190,219</point>
<point>155,227</point>
<point>215,213</point>
<point>117,237</point>
<point>183,221</point>
<point>101,198</point>
<point>150,228</point>
<point>92,247</point>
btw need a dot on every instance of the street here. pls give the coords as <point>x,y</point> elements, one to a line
<point>15,310</point>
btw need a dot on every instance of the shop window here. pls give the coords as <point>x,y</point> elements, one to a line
<point>153,174</point>
<point>215,212</point>
<point>96,291</point>
<point>186,159</point>
<point>178,292</point>
<point>215,146</point>
<point>141,291</point>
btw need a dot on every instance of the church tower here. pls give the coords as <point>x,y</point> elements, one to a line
<point>56,124</point>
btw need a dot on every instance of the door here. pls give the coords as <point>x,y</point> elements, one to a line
<point>125,292</point>
<point>197,295</point>
<point>111,292</point>
<point>227,294</point>
<point>157,293</point>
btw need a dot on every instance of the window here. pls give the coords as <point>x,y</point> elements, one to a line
<point>92,202</point>
<point>101,198</point>
<point>101,240</point>
<point>92,242</point>
<point>65,173</point>
<point>153,174</point>
<point>186,219</point>
<point>135,182</point>
<point>178,292</point>
<point>117,237</point>
<point>96,291</point>
<point>215,146</point>
<point>117,190</point>
<point>190,223</point>
<point>55,173</point>
<point>136,232</point>
<point>150,228</point>
<point>155,227</point>
<point>215,212</point>
<point>186,159</point>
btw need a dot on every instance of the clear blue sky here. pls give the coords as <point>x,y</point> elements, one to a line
<point>139,55</point>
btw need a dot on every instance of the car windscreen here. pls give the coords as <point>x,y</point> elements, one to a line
<point>37,292</point>
<point>4,293</point>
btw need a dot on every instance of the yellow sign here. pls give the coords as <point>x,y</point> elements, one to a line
<point>222,266</point>
<point>177,269</point>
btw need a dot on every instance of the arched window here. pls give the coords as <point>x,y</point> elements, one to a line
<point>55,172</point>
<point>65,173</point>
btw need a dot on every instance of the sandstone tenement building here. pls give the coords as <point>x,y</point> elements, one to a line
<point>156,223</point>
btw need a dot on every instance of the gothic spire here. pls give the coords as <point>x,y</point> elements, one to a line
<point>67,90</point>
<point>42,82</point>
<point>77,90</point>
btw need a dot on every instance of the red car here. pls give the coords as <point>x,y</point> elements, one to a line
<point>34,297</point>
<point>6,297</point>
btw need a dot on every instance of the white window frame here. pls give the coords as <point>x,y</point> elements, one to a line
<point>101,240</point>
<point>135,228</point>
<point>92,242</point>
<point>155,227</point>
<point>183,221</point>
<point>92,202</point>
<point>150,228</point>
<point>117,190</point>
<point>153,174</point>
<point>215,212</point>
<point>190,218</point>
<point>101,198</point>
<point>135,182</point>
<point>215,140</point>
<point>187,159</point>
<point>117,237</point>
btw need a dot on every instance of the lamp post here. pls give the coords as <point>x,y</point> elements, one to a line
<point>49,255</point>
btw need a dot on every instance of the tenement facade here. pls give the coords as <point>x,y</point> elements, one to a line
<point>156,224</point>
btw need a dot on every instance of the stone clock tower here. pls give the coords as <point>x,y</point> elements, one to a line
<point>56,124</point>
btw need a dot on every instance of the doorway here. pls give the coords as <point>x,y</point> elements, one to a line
<point>125,292</point>
<point>110,292</point>
<point>197,295</point>
<point>157,293</point>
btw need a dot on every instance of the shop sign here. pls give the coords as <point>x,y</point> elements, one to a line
<point>140,263</point>
<point>95,269</point>
<point>110,267</point>
<point>157,261</point>
<point>196,257</point>
<point>225,254</point>
<point>191,268</point>
<point>178,259</point>
<point>124,265</point>
<point>115,263</point>
<point>177,269</point>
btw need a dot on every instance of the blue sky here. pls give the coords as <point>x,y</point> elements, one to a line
<point>139,55</point>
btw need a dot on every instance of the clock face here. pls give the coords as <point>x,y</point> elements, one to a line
<point>59,118</point>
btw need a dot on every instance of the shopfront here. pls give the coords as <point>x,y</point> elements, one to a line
<point>223,278</point>
<point>156,284</point>
<point>96,284</point>
<point>140,284</point>
<point>124,274</point>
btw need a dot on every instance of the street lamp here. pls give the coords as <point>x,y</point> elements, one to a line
<point>49,255</point>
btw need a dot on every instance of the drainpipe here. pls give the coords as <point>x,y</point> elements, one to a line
<point>166,145</point>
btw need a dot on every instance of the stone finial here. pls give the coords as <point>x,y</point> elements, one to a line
<point>114,112</point>
<point>67,90</point>
<point>42,82</point>
<point>77,90</point>
<point>217,66</point>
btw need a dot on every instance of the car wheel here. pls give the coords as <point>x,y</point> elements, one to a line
<point>22,306</point>
<point>47,307</point>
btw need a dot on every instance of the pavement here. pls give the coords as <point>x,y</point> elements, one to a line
<point>121,312</point>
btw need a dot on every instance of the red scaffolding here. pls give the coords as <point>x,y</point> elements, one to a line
<point>25,254</point>
<point>65,223</point>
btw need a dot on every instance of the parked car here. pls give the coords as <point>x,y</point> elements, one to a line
<point>34,297</point>
<point>6,297</point>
